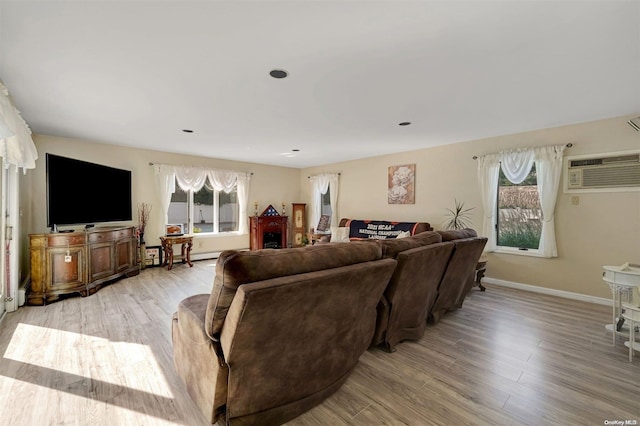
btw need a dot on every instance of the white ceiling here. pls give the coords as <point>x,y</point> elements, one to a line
<point>136,73</point>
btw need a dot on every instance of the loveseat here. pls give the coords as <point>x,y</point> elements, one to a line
<point>280,331</point>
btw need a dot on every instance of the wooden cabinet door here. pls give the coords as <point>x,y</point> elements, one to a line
<point>124,256</point>
<point>101,263</point>
<point>65,269</point>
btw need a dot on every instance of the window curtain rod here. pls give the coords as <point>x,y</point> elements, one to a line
<point>569,145</point>
<point>309,177</point>
<point>200,167</point>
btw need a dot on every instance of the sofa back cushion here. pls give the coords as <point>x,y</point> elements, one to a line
<point>235,268</point>
<point>293,337</point>
<point>457,234</point>
<point>392,246</point>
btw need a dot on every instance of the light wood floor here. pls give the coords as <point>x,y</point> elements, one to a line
<point>508,357</point>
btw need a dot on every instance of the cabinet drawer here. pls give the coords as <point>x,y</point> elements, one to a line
<point>101,236</point>
<point>63,240</point>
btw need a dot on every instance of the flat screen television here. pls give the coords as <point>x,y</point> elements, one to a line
<point>79,192</point>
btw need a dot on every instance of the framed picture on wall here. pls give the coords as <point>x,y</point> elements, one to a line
<point>401,184</point>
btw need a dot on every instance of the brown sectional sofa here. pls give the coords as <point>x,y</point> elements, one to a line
<point>460,274</point>
<point>282,329</point>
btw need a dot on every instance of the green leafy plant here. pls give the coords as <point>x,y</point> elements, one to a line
<point>459,217</point>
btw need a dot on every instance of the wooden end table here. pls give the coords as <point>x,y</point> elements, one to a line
<point>481,268</point>
<point>185,252</point>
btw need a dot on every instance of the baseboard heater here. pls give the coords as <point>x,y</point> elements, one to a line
<point>210,254</point>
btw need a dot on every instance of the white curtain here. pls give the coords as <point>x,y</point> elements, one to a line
<point>319,186</point>
<point>166,181</point>
<point>16,145</point>
<point>549,168</point>
<point>17,149</point>
<point>194,178</point>
<point>488,173</point>
<point>516,166</point>
<point>243,197</point>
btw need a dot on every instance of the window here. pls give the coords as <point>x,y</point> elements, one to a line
<point>325,203</point>
<point>519,219</point>
<point>513,219</point>
<point>205,211</point>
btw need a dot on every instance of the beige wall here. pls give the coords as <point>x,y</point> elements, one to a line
<point>269,185</point>
<point>604,229</point>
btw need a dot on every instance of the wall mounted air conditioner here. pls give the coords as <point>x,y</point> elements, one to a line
<point>609,172</point>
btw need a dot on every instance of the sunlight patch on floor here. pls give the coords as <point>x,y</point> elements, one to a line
<point>89,356</point>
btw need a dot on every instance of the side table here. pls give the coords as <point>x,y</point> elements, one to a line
<point>481,267</point>
<point>185,252</point>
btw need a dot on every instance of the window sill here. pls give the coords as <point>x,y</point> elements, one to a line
<point>518,252</point>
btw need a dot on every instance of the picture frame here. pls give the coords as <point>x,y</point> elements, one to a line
<point>153,256</point>
<point>324,223</point>
<point>401,184</point>
<point>174,230</point>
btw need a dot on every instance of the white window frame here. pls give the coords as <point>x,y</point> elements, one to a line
<point>508,249</point>
<point>216,215</point>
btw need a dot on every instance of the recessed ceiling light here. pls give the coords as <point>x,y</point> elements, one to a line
<point>278,73</point>
<point>295,150</point>
<point>404,123</point>
<point>187,131</point>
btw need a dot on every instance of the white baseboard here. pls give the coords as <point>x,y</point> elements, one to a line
<point>210,254</point>
<point>207,255</point>
<point>550,291</point>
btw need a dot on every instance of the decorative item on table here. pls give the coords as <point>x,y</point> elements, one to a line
<point>255,208</point>
<point>270,211</point>
<point>324,223</point>
<point>283,210</point>
<point>144,209</point>
<point>174,229</point>
<point>401,184</point>
<point>153,256</point>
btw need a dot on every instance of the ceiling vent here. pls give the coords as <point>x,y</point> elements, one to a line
<point>604,172</point>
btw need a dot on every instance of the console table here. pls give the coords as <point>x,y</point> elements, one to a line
<point>185,252</point>
<point>621,279</point>
<point>79,262</point>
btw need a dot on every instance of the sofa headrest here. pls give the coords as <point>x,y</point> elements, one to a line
<point>235,268</point>
<point>457,234</point>
<point>240,267</point>
<point>391,247</point>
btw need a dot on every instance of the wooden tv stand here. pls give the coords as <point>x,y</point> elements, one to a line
<point>79,262</point>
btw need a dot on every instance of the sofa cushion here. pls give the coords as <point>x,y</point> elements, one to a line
<point>339,234</point>
<point>391,247</point>
<point>457,234</point>
<point>235,268</point>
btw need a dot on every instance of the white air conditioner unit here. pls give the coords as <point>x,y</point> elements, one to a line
<point>603,172</point>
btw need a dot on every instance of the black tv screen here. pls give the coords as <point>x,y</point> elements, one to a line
<point>79,192</point>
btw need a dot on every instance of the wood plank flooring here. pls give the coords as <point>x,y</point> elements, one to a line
<point>508,357</point>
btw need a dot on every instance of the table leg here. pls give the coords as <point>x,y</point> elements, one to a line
<point>189,246</point>
<point>170,256</point>
<point>632,339</point>
<point>614,323</point>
